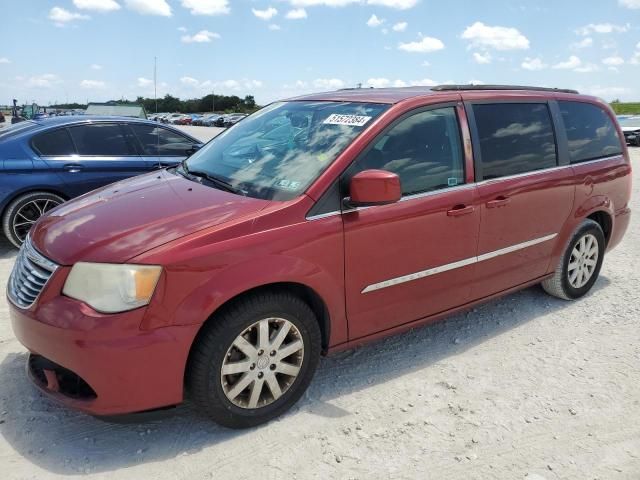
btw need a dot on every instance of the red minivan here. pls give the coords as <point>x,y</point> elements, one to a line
<point>316,224</point>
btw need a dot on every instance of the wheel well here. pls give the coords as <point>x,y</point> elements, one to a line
<point>26,192</point>
<point>604,220</point>
<point>307,294</point>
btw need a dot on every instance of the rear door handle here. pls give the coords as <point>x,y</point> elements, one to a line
<point>498,202</point>
<point>73,167</point>
<point>459,210</point>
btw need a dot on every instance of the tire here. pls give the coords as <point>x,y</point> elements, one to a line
<point>223,396</point>
<point>24,211</point>
<point>569,285</point>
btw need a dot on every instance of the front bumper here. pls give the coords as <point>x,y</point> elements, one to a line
<point>126,369</point>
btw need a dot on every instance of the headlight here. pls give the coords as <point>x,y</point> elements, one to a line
<point>112,288</point>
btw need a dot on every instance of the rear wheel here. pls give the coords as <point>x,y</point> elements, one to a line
<point>254,360</point>
<point>24,211</point>
<point>580,264</point>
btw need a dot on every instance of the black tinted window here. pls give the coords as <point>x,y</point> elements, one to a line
<point>100,139</point>
<point>514,138</point>
<point>590,131</point>
<point>53,143</point>
<point>423,149</point>
<point>160,141</point>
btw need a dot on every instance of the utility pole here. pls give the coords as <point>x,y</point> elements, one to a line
<point>155,89</point>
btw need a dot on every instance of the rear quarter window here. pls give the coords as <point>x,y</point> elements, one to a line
<point>591,133</point>
<point>53,143</point>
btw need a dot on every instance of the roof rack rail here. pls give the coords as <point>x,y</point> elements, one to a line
<point>444,88</point>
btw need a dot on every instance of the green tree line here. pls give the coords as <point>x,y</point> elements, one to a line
<point>169,103</point>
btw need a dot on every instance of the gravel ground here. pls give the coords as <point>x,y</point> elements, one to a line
<point>527,386</point>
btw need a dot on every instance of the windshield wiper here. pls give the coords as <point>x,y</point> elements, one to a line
<point>217,181</point>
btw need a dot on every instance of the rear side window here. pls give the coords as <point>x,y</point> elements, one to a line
<point>160,141</point>
<point>514,138</point>
<point>53,143</point>
<point>424,150</point>
<point>101,139</point>
<point>590,132</point>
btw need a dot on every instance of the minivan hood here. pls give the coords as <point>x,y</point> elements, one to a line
<point>124,219</point>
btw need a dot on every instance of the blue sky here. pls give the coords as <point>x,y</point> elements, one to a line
<point>78,50</point>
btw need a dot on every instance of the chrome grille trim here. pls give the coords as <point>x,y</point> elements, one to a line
<point>30,274</point>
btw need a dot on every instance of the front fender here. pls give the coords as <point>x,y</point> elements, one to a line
<point>308,253</point>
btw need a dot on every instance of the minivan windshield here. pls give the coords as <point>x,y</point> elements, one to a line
<point>277,152</point>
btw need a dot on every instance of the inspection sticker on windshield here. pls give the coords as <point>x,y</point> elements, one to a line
<point>351,120</point>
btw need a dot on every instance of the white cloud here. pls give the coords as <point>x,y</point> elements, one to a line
<point>374,21</point>
<point>633,4</point>
<point>61,16</point>
<point>208,85</point>
<point>150,7</point>
<point>274,27</point>
<point>266,14</point>
<point>378,82</point>
<point>499,38</point>
<point>424,45</point>
<point>602,28</point>
<point>328,83</point>
<point>609,93</point>
<point>189,82</point>
<point>571,63</point>
<point>182,29</point>
<point>400,27</point>
<point>92,84</point>
<point>614,61</point>
<point>587,68</point>
<point>203,36</point>
<point>207,7</point>
<point>634,60</point>
<point>95,66</point>
<point>482,58</point>
<point>397,4</point>
<point>144,82</point>
<point>4,60</point>
<point>47,80</point>
<point>97,5</point>
<point>584,43</point>
<point>425,82</point>
<point>533,64</point>
<point>296,14</point>
<point>426,64</point>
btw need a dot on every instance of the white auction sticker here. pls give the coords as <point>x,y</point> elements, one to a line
<point>351,120</point>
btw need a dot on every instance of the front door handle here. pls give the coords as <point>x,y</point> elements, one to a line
<point>498,202</point>
<point>460,210</point>
<point>73,167</point>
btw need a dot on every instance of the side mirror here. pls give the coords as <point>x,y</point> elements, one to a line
<point>373,187</point>
<point>194,148</point>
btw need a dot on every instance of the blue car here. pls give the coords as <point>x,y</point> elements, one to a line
<point>45,162</point>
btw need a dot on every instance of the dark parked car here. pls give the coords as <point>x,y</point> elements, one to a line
<point>232,119</point>
<point>2,119</point>
<point>45,162</point>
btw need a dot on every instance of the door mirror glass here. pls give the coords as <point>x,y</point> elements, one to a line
<point>373,187</point>
<point>194,148</point>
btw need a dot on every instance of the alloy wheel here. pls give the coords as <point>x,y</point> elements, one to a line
<point>583,261</point>
<point>28,214</point>
<point>262,363</point>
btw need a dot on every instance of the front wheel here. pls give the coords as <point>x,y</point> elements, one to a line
<point>254,360</point>
<point>24,211</point>
<point>580,264</point>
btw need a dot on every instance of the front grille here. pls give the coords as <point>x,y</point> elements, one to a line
<point>29,276</point>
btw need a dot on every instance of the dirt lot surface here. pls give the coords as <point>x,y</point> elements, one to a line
<point>527,386</point>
